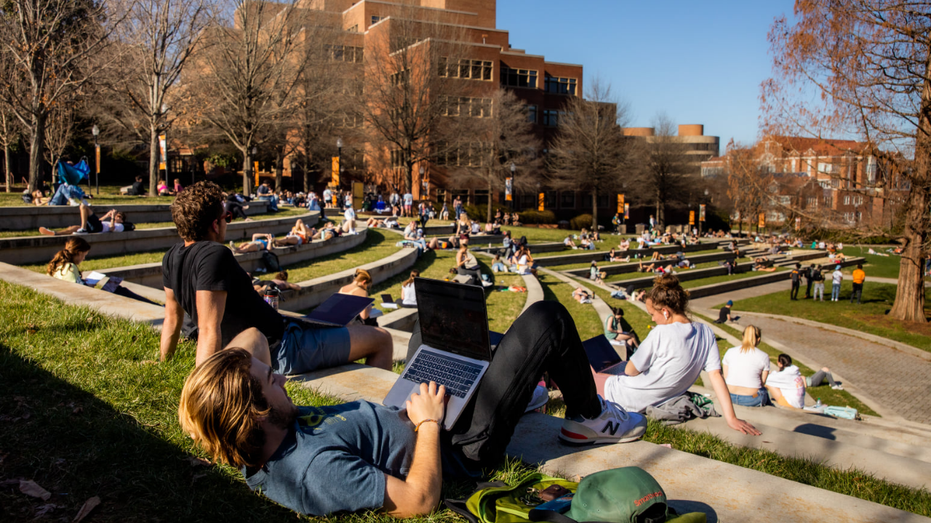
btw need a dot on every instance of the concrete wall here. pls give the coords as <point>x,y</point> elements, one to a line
<point>588,256</point>
<point>150,274</point>
<point>632,267</point>
<point>40,249</point>
<point>31,218</point>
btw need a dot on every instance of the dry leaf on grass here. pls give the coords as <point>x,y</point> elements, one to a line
<point>31,488</point>
<point>198,462</point>
<point>86,509</point>
<point>45,509</point>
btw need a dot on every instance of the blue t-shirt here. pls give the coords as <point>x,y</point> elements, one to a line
<point>336,459</point>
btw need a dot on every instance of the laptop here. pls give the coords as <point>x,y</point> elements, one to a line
<point>601,354</point>
<point>388,302</point>
<point>456,350</point>
<point>338,310</point>
<point>103,282</point>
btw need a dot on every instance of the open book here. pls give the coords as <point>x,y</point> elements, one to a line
<point>102,281</point>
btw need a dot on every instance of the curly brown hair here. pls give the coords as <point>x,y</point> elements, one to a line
<point>195,209</point>
<point>668,292</point>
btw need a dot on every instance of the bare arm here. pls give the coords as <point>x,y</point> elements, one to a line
<point>171,328</point>
<point>420,492</point>
<point>211,305</point>
<point>631,370</point>
<point>724,398</point>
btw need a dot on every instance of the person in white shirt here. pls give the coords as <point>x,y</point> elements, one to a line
<point>327,197</point>
<point>408,296</point>
<point>836,278</point>
<point>349,221</point>
<point>786,386</point>
<point>745,369</point>
<point>671,358</point>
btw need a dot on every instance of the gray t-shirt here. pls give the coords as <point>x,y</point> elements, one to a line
<point>336,459</point>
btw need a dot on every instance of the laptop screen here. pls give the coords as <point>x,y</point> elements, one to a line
<point>600,352</point>
<point>453,317</point>
<point>340,309</point>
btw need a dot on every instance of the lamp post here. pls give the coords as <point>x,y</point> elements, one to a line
<point>701,214</point>
<point>513,194</point>
<point>423,183</point>
<point>96,132</point>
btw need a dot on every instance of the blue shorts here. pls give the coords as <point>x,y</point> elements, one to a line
<point>305,349</point>
<point>761,399</point>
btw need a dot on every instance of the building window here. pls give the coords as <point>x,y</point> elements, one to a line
<point>397,158</point>
<point>465,69</point>
<point>467,155</point>
<point>859,216</point>
<point>376,19</point>
<point>812,202</point>
<point>441,195</point>
<point>354,29</point>
<point>528,200</point>
<point>349,121</point>
<point>518,77</point>
<point>549,200</point>
<point>481,196</point>
<point>402,77</point>
<point>347,53</point>
<point>470,107</point>
<point>871,170</point>
<point>532,114</point>
<point>550,118</point>
<point>567,200</point>
<point>847,200</point>
<point>554,85</point>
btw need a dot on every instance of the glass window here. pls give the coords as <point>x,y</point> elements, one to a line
<point>532,114</point>
<point>518,77</point>
<point>486,71</point>
<point>567,200</point>
<point>376,19</point>
<point>481,196</point>
<point>550,118</point>
<point>556,85</point>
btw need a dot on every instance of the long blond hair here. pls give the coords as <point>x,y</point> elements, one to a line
<point>410,280</point>
<point>362,276</point>
<point>221,404</point>
<point>752,337</point>
<point>73,247</point>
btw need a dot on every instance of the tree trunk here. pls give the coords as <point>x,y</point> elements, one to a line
<point>491,187</point>
<point>247,172</point>
<point>6,166</point>
<point>154,158</point>
<point>279,169</point>
<point>306,169</point>
<point>594,210</point>
<point>36,150</point>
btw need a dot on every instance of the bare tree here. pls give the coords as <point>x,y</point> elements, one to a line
<point>154,42</point>
<point>50,43</point>
<point>747,184</point>
<point>59,130</point>
<point>870,62</point>
<point>247,68</point>
<point>497,133</point>
<point>9,125</point>
<point>590,153</point>
<point>411,71</point>
<point>667,171</point>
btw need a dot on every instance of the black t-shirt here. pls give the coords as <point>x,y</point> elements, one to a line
<point>817,276</point>
<point>138,189</point>
<point>722,316</point>
<point>209,266</point>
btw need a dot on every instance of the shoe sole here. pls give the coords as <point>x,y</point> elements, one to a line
<point>594,441</point>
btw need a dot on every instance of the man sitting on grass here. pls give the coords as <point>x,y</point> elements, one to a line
<point>360,456</point>
<point>201,277</point>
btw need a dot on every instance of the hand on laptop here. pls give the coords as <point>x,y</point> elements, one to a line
<point>429,404</point>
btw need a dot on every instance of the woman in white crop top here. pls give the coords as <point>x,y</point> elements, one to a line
<point>745,369</point>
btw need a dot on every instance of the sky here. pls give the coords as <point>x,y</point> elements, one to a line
<point>699,62</point>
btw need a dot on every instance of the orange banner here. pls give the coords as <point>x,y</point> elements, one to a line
<point>620,203</point>
<point>540,201</point>
<point>335,174</point>
<point>691,217</point>
<point>762,219</point>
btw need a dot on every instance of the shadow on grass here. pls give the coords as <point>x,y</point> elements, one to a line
<point>77,446</point>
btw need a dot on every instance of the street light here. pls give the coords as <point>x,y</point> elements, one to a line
<point>423,181</point>
<point>512,195</point>
<point>96,132</point>
<point>700,213</point>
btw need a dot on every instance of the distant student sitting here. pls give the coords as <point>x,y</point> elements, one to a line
<point>408,295</point>
<point>64,266</point>
<point>725,313</point>
<point>614,330</point>
<point>745,370</point>
<point>581,295</point>
<point>360,287</point>
<point>163,189</point>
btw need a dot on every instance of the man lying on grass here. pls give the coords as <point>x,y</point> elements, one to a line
<point>360,455</point>
<point>202,277</point>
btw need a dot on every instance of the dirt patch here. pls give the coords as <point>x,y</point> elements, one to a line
<point>885,322</point>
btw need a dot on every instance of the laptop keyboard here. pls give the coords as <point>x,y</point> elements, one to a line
<point>455,374</point>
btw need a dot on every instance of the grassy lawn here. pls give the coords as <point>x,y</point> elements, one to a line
<point>377,245</point>
<point>109,262</point>
<point>87,413</point>
<point>828,395</point>
<point>634,275</point>
<point>572,266</point>
<point>870,317</point>
<point>691,284</point>
<point>586,319</point>
<point>503,307</point>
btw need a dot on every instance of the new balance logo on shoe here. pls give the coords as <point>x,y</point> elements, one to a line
<point>612,427</point>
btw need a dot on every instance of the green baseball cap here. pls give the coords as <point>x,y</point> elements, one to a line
<point>624,495</point>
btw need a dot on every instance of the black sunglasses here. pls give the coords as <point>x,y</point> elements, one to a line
<point>228,216</point>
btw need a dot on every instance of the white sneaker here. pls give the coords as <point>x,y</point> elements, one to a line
<point>613,425</point>
<point>837,387</point>
<point>539,399</point>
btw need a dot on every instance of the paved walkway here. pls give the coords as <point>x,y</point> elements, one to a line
<point>892,378</point>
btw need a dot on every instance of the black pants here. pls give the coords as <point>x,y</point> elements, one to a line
<point>793,294</point>
<point>808,289</point>
<point>857,291</point>
<point>236,209</point>
<point>543,339</point>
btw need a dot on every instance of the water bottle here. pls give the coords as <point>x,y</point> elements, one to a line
<point>271,296</point>
<point>818,404</point>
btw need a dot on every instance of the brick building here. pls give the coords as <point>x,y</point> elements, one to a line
<point>840,181</point>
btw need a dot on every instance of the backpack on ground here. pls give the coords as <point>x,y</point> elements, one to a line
<point>270,260</point>
<point>841,412</point>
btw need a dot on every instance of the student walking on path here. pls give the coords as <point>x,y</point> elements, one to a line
<point>796,281</point>
<point>836,278</point>
<point>859,276</point>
